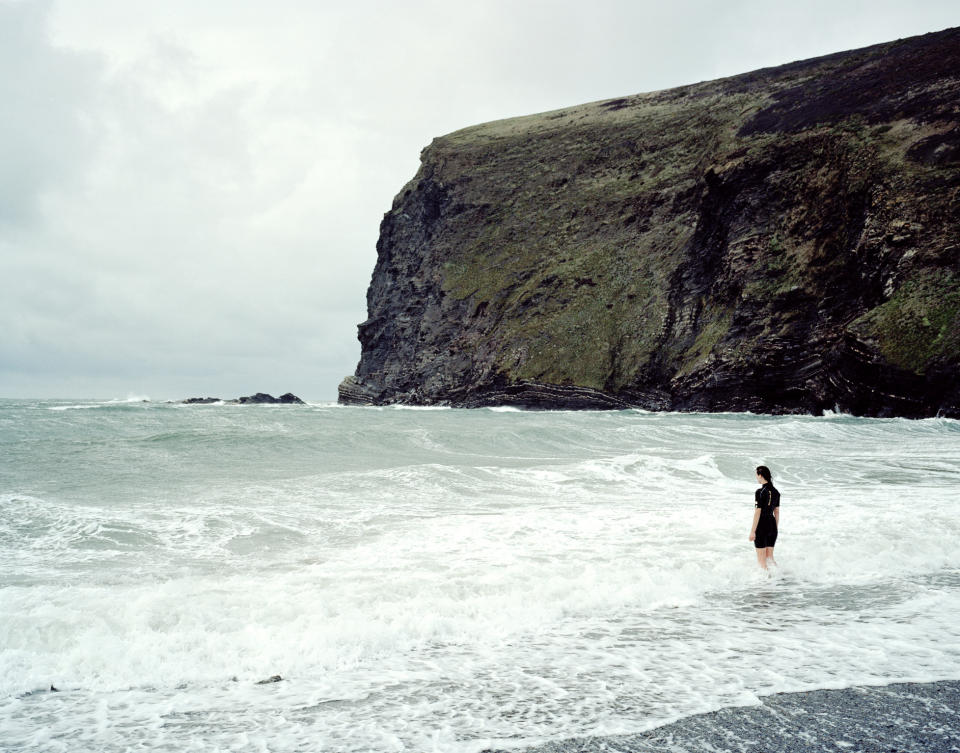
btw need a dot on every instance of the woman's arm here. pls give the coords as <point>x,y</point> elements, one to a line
<point>776,515</point>
<point>753,528</point>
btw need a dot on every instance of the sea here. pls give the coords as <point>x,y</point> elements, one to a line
<point>326,578</point>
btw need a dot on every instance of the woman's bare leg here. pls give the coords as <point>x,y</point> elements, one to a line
<point>762,558</point>
<point>770,558</point>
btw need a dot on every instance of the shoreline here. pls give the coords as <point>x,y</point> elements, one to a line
<point>897,718</point>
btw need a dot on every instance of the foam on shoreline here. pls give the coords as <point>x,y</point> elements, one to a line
<point>902,717</point>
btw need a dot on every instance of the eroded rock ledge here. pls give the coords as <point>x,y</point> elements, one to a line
<point>784,241</point>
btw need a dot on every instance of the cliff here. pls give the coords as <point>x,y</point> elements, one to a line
<point>783,241</point>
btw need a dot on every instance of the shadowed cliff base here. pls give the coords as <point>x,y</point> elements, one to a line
<point>783,241</point>
<point>900,718</point>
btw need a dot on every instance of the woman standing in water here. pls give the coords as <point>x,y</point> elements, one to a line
<point>766,517</point>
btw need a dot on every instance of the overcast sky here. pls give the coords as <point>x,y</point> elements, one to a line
<point>191,192</point>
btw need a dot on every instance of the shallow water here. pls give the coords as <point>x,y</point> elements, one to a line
<point>451,580</point>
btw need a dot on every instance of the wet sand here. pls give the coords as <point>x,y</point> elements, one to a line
<point>899,718</point>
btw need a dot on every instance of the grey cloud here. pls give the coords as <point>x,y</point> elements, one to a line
<point>192,205</point>
<point>45,137</point>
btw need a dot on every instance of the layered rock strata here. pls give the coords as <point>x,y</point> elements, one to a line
<point>783,241</point>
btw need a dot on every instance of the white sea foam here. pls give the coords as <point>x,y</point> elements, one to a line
<point>454,580</point>
<point>93,404</point>
<point>400,406</point>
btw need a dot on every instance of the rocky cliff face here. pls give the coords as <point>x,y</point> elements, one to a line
<point>781,241</point>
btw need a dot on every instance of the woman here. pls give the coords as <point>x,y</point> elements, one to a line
<point>766,517</point>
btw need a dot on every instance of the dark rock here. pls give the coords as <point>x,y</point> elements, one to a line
<point>783,241</point>
<point>261,397</point>
<point>274,678</point>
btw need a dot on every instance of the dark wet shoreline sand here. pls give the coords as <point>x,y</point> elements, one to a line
<point>897,718</point>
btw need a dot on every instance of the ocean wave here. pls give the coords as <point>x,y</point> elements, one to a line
<point>401,406</point>
<point>408,572</point>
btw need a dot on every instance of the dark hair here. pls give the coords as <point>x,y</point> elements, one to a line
<point>764,471</point>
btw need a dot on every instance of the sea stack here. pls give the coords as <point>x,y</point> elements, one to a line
<point>783,241</point>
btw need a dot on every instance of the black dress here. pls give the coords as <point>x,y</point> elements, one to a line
<point>767,499</point>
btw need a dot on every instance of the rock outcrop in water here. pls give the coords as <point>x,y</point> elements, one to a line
<point>259,398</point>
<point>780,241</point>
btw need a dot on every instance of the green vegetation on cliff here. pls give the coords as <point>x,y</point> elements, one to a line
<point>784,240</point>
<point>920,324</point>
